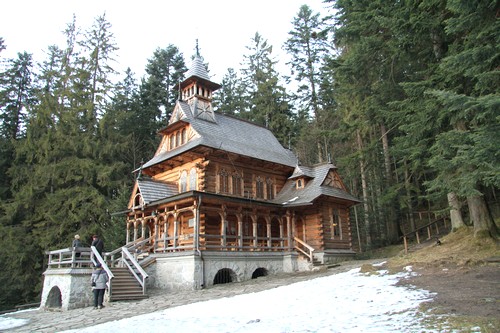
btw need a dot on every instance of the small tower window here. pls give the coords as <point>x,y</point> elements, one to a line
<point>192,179</point>
<point>183,181</point>
<point>236,180</point>
<point>270,189</point>
<point>172,141</point>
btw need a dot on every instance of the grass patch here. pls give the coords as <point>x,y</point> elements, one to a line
<point>459,247</point>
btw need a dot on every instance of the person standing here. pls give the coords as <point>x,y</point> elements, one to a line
<point>99,279</point>
<point>98,243</point>
<point>76,243</point>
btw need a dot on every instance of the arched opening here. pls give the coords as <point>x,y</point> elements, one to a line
<point>54,299</point>
<point>259,272</point>
<point>224,275</point>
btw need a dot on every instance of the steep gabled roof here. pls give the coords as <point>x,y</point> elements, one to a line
<point>229,134</point>
<point>292,196</point>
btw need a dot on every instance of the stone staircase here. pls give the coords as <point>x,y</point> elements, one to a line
<point>125,286</point>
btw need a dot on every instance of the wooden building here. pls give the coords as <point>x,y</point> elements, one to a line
<point>222,200</point>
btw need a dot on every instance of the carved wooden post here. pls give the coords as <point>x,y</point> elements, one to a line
<point>240,230</point>
<point>176,230</point>
<point>127,236</point>
<point>282,236</point>
<point>268,230</point>
<point>223,225</point>
<point>289,229</point>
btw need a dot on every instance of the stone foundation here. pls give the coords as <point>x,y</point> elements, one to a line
<point>189,270</point>
<point>66,289</point>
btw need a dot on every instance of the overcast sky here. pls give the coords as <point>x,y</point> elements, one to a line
<point>223,27</point>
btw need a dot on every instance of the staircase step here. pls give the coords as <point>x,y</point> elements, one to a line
<point>125,286</point>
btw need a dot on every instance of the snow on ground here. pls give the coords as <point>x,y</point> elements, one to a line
<point>344,302</point>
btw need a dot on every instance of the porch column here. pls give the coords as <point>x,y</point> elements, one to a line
<point>282,244</point>
<point>289,229</point>
<point>196,213</point>
<point>127,236</point>
<point>240,230</point>
<point>157,230</point>
<point>143,228</point>
<point>254,231</point>
<point>136,225</point>
<point>176,229</point>
<point>268,230</point>
<point>223,224</point>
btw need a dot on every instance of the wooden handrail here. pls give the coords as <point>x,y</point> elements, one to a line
<point>310,249</point>
<point>428,226</point>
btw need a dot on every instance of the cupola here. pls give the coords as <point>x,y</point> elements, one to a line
<point>197,89</point>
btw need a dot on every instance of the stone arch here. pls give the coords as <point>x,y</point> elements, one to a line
<point>225,275</point>
<point>54,298</point>
<point>261,271</point>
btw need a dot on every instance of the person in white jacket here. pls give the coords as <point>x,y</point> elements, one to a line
<point>99,279</point>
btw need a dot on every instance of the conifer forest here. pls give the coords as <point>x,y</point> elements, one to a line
<point>402,96</point>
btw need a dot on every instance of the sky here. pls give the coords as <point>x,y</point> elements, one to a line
<point>224,28</point>
<point>343,302</point>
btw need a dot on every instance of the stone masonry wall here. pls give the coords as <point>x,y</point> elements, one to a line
<point>72,285</point>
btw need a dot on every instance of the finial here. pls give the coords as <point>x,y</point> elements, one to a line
<point>197,48</point>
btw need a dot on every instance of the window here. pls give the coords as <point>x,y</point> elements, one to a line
<point>300,183</point>
<point>259,188</point>
<point>192,179</point>
<point>236,180</point>
<point>183,136</point>
<point>183,181</point>
<point>270,189</point>
<point>172,141</point>
<point>336,223</point>
<point>223,182</point>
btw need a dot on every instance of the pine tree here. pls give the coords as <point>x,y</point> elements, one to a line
<point>465,154</point>
<point>158,90</point>
<point>230,98</point>
<point>269,103</point>
<point>100,46</point>
<point>307,45</point>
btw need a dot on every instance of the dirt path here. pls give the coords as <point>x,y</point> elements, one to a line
<point>461,290</point>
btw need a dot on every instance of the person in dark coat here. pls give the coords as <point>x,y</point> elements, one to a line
<point>98,243</point>
<point>76,243</point>
<point>99,279</point>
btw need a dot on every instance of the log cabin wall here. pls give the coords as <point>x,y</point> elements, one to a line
<point>336,226</point>
<point>248,174</point>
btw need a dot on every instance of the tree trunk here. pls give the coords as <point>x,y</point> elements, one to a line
<point>364,187</point>
<point>455,214</point>
<point>392,222</point>
<point>387,156</point>
<point>409,196</point>
<point>480,216</point>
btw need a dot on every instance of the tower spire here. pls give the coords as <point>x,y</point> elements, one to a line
<point>197,48</point>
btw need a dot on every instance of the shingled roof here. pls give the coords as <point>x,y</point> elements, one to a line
<point>232,135</point>
<point>290,195</point>
<point>152,190</point>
